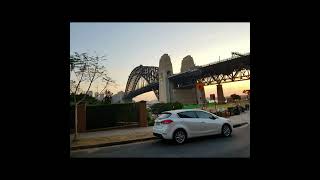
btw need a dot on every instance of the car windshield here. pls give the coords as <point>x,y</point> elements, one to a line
<point>164,115</point>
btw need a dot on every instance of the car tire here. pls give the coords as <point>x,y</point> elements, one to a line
<point>226,130</point>
<point>179,136</point>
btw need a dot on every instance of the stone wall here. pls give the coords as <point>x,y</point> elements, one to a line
<point>185,96</point>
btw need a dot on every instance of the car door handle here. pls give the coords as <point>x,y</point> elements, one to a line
<point>203,122</point>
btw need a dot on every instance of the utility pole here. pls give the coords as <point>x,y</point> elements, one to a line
<point>215,105</point>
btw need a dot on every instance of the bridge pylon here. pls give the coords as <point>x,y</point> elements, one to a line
<point>221,98</point>
<point>165,87</point>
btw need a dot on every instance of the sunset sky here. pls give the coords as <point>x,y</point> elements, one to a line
<point>127,45</point>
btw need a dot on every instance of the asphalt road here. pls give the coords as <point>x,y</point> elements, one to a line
<point>238,145</point>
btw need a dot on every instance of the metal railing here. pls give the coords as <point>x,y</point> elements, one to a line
<point>228,59</point>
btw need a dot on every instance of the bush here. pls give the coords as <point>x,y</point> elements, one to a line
<point>231,110</point>
<point>101,116</point>
<point>191,106</point>
<point>150,119</point>
<point>161,107</point>
<point>177,105</point>
<point>236,111</point>
<point>242,108</point>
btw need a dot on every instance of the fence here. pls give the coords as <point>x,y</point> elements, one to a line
<point>111,115</point>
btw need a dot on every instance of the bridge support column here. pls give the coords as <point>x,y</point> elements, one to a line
<point>201,98</point>
<point>185,96</point>
<point>165,87</point>
<point>221,98</point>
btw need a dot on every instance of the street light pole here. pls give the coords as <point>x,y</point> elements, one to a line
<point>76,123</point>
<point>215,105</point>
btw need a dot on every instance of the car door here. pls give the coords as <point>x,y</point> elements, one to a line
<point>191,121</point>
<point>210,124</point>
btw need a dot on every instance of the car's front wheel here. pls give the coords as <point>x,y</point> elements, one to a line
<point>226,130</point>
<point>179,136</point>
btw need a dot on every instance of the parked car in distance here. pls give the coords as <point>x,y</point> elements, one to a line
<point>179,125</point>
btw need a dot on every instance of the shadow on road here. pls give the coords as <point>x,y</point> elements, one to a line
<point>217,137</point>
<point>192,140</point>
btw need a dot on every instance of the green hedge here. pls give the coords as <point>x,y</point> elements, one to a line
<point>160,107</point>
<point>109,115</point>
<point>191,106</point>
<point>150,119</point>
<point>102,116</point>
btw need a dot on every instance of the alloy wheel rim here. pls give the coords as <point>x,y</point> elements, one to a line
<point>226,130</point>
<point>180,136</point>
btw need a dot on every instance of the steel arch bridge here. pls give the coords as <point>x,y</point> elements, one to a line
<point>236,68</point>
<point>147,73</point>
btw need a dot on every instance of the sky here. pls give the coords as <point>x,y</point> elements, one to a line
<point>127,45</point>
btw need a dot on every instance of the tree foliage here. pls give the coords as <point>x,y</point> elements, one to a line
<point>108,96</point>
<point>87,69</point>
<point>235,97</point>
<point>160,107</point>
<point>89,99</point>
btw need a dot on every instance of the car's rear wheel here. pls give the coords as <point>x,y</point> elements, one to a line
<point>226,130</point>
<point>179,136</point>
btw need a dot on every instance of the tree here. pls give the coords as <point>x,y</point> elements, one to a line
<point>247,92</point>
<point>235,97</point>
<point>158,108</point>
<point>85,68</point>
<point>88,99</point>
<point>108,96</point>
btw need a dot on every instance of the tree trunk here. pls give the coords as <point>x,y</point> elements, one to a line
<point>85,95</point>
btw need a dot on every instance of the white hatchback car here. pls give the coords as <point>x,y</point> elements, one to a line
<point>178,125</point>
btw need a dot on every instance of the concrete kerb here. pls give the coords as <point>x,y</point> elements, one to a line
<point>111,143</point>
<point>240,124</point>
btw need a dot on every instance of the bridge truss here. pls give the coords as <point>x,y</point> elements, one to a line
<point>143,79</point>
<point>148,78</point>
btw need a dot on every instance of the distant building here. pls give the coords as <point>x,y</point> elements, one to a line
<point>100,97</point>
<point>90,93</point>
<point>117,98</point>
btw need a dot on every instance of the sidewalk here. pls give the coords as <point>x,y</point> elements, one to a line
<point>244,117</point>
<point>111,137</point>
<point>123,136</point>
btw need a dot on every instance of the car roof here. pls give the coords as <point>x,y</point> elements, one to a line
<point>181,110</point>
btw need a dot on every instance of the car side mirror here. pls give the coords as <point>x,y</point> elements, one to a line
<point>212,117</point>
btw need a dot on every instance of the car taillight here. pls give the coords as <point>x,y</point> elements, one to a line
<point>168,121</point>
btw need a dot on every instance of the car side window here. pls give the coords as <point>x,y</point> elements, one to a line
<point>187,114</point>
<point>205,115</point>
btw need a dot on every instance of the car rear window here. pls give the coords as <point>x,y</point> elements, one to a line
<point>164,115</point>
